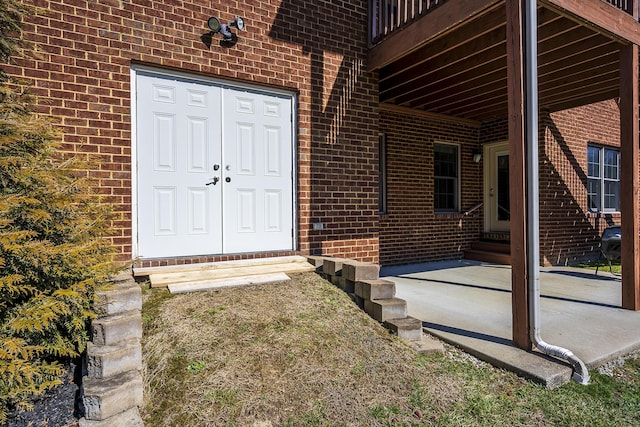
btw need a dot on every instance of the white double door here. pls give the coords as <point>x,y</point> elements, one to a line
<point>214,168</point>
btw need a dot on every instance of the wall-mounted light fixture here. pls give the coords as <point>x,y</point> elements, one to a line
<point>225,29</point>
<point>477,156</point>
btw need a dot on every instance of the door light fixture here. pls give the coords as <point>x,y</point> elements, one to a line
<point>477,156</point>
<point>225,29</point>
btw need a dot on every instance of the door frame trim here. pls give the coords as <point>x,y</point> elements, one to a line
<point>486,181</point>
<point>137,69</point>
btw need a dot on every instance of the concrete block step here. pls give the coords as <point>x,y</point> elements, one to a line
<point>117,328</point>
<point>427,345</point>
<point>124,276</point>
<point>346,285</point>
<point>317,261</point>
<point>354,271</point>
<point>106,397</point>
<point>386,309</point>
<point>409,328</point>
<point>375,289</point>
<point>231,282</point>
<point>299,264</point>
<point>103,361</point>
<point>333,266</point>
<point>129,418</point>
<point>359,301</point>
<point>123,296</point>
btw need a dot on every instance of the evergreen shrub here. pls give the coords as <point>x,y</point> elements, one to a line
<point>54,253</point>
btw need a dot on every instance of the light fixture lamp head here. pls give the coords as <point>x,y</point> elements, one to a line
<point>225,29</point>
<point>477,156</point>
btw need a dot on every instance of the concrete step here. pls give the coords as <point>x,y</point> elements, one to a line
<point>231,282</point>
<point>106,397</point>
<point>375,289</point>
<point>354,271</point>
<point>116,328</point>
<point>226,271</point>
<point>103,361</point>
<point>428,345</point>
<point>386,309</point>
<point>129,418</point>
<point>123,296</point>
<point>333,266</point>
<point>316,261</point>
<point>492,257</point>
<point>409,328</point>
<point>346,285</point>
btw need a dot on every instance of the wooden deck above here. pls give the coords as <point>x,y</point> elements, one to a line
<point>451,58</point>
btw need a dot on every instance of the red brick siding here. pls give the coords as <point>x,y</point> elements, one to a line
<point>494,131</point>
<point>82,73</point>
<point>411,231</point>
<point>569,232</point>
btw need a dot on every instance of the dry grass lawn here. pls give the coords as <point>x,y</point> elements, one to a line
<point>300,353</point>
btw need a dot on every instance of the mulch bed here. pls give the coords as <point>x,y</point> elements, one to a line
<point>57,407</point>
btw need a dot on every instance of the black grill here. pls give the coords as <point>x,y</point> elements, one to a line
<point>610,245</point>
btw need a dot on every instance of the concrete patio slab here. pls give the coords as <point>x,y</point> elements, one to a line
<point>468,304</point>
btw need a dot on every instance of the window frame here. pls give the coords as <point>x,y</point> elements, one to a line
<point>458,192</point>
<point>602,179</point>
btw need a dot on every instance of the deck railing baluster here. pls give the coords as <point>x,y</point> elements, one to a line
<point>386,16</point>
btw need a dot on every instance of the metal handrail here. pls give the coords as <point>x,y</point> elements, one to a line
<point>473,209</point>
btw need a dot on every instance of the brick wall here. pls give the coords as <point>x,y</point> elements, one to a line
<point>410,231</point>
<point>569,232</point>
<point>81,73</point>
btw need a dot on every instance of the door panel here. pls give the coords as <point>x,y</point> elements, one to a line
<point>258,164</point>
<point>178,136</point>
<point>164,211</point>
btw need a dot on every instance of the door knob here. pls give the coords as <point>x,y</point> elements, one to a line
<point>227,179</point>
<point>216,167</point>
<point>213,181</point>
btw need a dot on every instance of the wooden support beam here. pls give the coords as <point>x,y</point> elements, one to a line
<point>629,185</point>
<point>517,184</point>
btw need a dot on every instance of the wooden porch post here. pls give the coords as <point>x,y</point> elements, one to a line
<point>629,185</point>
<point>517,184</point>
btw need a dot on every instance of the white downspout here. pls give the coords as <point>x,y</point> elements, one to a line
<point>580,371</point>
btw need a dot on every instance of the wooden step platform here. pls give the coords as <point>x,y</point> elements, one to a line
<point>496,252</point>
<point>231,282</point>
<point>193,273</point>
